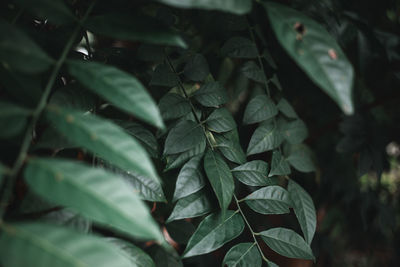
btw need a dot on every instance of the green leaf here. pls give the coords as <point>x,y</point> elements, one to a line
<point>190,179</point>
<point>253,173</point>
<point>287,243</point>
<point>304,209</point>
<point>213,232</point>
<point>211,94</point>
<point>73,96</point>
<point>196,69</point>
<point>49,245</point>
<point>252,71</point>
<point>239,7</point>
<point>269,200</point>
<point>103,138</point>
<point>220,120</point>
<point>295,132</point>
<point>173,106</point>
<point>220,177</point>
<point>315,51</point>
<point>163,76</point>
<point>147,189</point>
<point>239,47</point>
<point>266,137</point>
<point>279,165</point>
<point>287,109</point>
<point>300,158</point>
<point>68,218</point>
<point>194,205</point>
<point>176,160</point>
<point>136,256</point>
<point>120,88</point>
<point>243,255</point>
<point>259,108</point>
<point>229,145</point>
<point>96,193</point>
<point>184,136</point>
<point>163,258</point>
<point>19,52</point>
<point>134,27</point>
<point>13,119</point>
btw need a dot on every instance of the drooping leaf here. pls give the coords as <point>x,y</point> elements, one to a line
<point>301,159</point>
<point>279,165</point>
<point>243,255</point>
<point>220,177</point>
<point>253,173</point>
<point>194,205</point>
<point>13,119</point>
<point>176,160</point>
<point>295,132</point>
<point>134,27</point>
<point>49,245</point>
<point>259,108</point>
<point>104,138</point>
<point>287,109</point>
<point>287,243</point>
<point>213,232</point>
<point>163,76</point>
<point>196,69</point>
<point>19,52</point>
<point>304,209</point>
<point>252,71</point>
<point>173,106</point>
<point>239,47</point>
<point>211,94</point>
<point>120,88</point>
<point>266,137</point>
<point>234,6</point>
<point>99,195</point>
<point>135,255</point>
<point>315,51</point>
<point>220,120</point>
<point>229,145</point>
<point>190,179</point>
<point>184,136</point>
<point>269,200</point>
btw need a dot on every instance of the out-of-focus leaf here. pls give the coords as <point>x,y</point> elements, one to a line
<point>136,256</point>
<point>301,159</point>
<point>211,94</point>
<point>73,96</point>
<point>243,255</point>
<point>295,132</point>
<point>239,7</point>
<point>190,179</point>
<point>269,200</point>
<point>279,165</point>
<point>13,119</point>
<point>259,108</point>
<point>287,109</point>
<point>266,137</point>
<point>173,106</point>
<point>194,205</point>
<point>239,47</point>
<point>68,218</point>
<point>163,258</point>
<point>163,76</point>
<point>252,71</point>
<point>184,136</point>
<point>253,173</point>
<point>196,69</point>
<point>220,120</point>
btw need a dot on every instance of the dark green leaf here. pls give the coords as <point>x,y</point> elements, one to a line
<point>196,69</point>
<point>266,137</point>
<point>286,109</point>
<point>163,258</point>
<point>279,165</point>
<point>73,96</point>
<point>194,205</point>
<point>213,232</point>
<point>147,189</point>
<point>252,71</point>
<point>243,255</point>
<point>180,231</point>
<point>13,119</point>
<point>300,158</point>
<point>3,170</point>
<point>173,106</point>
<point>253,173</point>
<point>295,132</point>
<point>176,160</point>
<point>220,120</point>
<point>211,94</point>
<point>136,256</point>
<point>269,200</point>
<point>184,136</point>
<point>276,82</point>
<point>239,47</point>
<point>163,76</point>
<point>229,145</point>
<point>259,108</point>
<point>234,6</point>
<point>68,218</point>
<point>190,179</point>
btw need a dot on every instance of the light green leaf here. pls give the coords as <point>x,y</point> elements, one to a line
<point>239,7</point>
<point>315,51</point>
<point>239,47</point>
<point>190,179</point>
<point>287,109</point>
<point>213,232</point>
<point>104,138</point>
<point>269,200</point>
<point>243,255</point>
<point>295,132</point>
<point>99,195</point>
<point>176,160</point>
<point>173,106</point>
<point>196,69</point>
<point>13,119</point>
<point>304,209</point>
<point>279,165</point>
<point>287,243</point>
<point>229,145</point>
<point>252,71</point>
<point>49,245</point>
<point>163,76</point>
<point>184,136</point>
<point>135,255</point>
<point>253,173</point>
<point>220,120</point>
<point>120,88</point>
<point>259,108</point>
<point>211,94</point>
<point>300,158</point>
<point>68,218</point>
<point>220,177</point>
<point>266,137</point>
<point>194,205</point>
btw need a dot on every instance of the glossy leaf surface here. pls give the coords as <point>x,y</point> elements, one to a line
<point>211,94</point>
<point>279,165</point>
<point>253,173</point>
<point>259,108</point>
<point>184,136</point>
<point>220,120</point>
<point>194,205</point>
<point>269,200</point>
<point>243,255</point>
<point>190,179</point>
<point>266,137</point>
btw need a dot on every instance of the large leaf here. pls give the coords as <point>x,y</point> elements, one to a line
<point>220,177</point>
<point>243,255</point>
<point>190,179</point>
<point>295,132</point>
<point>220,120</point>
<point>211,94</point>
<point>213,232</point>
<point>266,137</point>
<point>234,6</point>
<point>229,145</point>
<point>49,245</point>
<point>196,69</point>
<point>315,51</point>
<point>173,106</point>
<point>68,218</point>
<point>253,173</point>
<point>103,138</point>
<point>239,47</point>
<point>260,108</point>
<point>191,206</point>
<point>287,243</point>
<point>136,256</point>
<point>301,159</point>
<point>134,27</point>
<point>279,165</point>
<point>120,88</point>
<point>304,209</point>
<point>13,119</point>
<point>176,160</point>
<point>19,52</point>
<point>184,136</point>
<point>269,200</point>
<point>96,193</point>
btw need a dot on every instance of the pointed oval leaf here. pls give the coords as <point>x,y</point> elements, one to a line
<point>49,245</point>
<point>295,132</point>
<point>253,173</point>
<point>269,200</point>
<point>184,136</point>
<point>315,51</point>
<point>287,109</point>
<point>136,256</point>
<point>147,189</point>
<point>229,145</point>
<point>220,177</point>
<point>100,195</point>
<point>253,72</point>
<point>239,47</point>
<point>260,108</point>
<point>279,165</point>
<point>220,120</point>
<point>300,158</point>
<point>211,94</point>
<point>190,179</point>
<point>213,232</point>
<point>173,106</point>
<point>243,255</point>
<point>196,69</point>
<point>239,7</point>
<point>120,88</point>
<point>266,137</point>
<point>176,160</point>
<point>287,243</point>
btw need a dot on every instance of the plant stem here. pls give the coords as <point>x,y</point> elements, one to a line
<point>12,176</point>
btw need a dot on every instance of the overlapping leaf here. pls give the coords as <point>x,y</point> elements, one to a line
<point>220,120</point>
<point>287,109</point>
<point>269,200</point>
<point>252,71</point>
<point>260,108</point>
<point>239,47</point>
<point>279,165</point>
<point>196,69</point>
<point>266,137</point>
<point>176,160</point>
<point>184,136</point>
<point>173,106</point>
<point>243,255</point>
<point>13,119</point>
<point>194,205</point>
<point>253,173</point>
<point>229,145</point>
<point>190,179</point>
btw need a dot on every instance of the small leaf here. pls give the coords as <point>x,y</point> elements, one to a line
<point>300,158</point>
<point>295,132</point>
<point>194,205</point>
<point>13,119</point>
<point>243,255</point>
<point>163,76</point>
<point>213,232</point>
<point>176,160</point>
<point>304,209</point>
<point>136,256</point>
<point>269,200</point>
<point>190,179</point>
<point>220,177</point>
<point>253,173</point>
<point>229,145</point>
<point>259,108</point>
<point>287,243</point>
<point>279,165</point>
<point>252,71</point>
<point>239,47</point>
<point>196,69</point>
<point>173,106</point>
<point>266,137</point>
<point>211,94</point>
<point>118,87</point>
<point>239,7</point>
<point>220,120</point>
<point>286,109</point>
<point>184,136</point>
